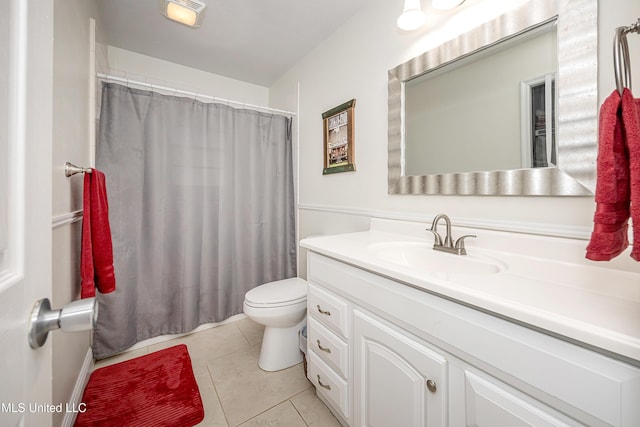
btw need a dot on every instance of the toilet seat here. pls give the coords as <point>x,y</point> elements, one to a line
<point>277,294</point>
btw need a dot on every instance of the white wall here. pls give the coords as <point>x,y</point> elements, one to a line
<point>135,66</point>
<point>353,63</point>
<point>71,133</point>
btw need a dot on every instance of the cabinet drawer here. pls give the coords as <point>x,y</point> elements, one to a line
<point>328,346</point>
<point>329,384</point>
<point>329,309</point>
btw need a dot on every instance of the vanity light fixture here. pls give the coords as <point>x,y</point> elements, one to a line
<point>412,16</point>
<point>187,12</point>
<point>446,4</point>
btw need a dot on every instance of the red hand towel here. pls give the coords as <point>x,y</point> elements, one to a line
<point>96,261</point>
<point>631,122</point>
<point>609,236</point>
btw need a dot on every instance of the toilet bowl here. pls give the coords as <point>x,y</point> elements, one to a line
<point>280,306</point>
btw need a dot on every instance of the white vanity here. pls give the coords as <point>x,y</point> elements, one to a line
<point>522,331</point>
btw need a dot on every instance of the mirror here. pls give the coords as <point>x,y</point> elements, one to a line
<point>525,149</point>
<point>500,92</point>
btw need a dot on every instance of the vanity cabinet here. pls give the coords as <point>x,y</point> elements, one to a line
<point>399,355</point>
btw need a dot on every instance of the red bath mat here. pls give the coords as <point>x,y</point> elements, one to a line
<point>157,389</point>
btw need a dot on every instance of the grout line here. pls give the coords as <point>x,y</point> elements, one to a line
<point>288,399</point>
<point>315,396</point>
<point>296,408</point>
<point>272,407</point>
<point>243,334</point>
<point>215,389</point>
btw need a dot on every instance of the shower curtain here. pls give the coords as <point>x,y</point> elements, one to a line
<point>201,209</point>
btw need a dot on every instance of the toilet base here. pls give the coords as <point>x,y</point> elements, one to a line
<point>280,348</point>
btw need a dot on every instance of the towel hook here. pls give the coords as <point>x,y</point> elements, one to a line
<point>70,169</point>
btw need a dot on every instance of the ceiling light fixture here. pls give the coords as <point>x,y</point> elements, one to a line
<point>187,12</point>
<point>412,16</point>
<point>446,4</point>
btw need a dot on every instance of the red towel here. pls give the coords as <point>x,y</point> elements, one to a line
<point>609,236</point>
<point>631,122</point>
<point>96,261</point>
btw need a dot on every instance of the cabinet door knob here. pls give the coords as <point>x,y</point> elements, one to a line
<point>325,349</point>
<point>431,385</point>
<point>327,386</point>
<point>325,312</point>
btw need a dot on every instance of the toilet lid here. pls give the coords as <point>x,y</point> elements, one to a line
<point>280,292</point>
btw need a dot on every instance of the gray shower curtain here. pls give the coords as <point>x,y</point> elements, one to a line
<point>201,209</point>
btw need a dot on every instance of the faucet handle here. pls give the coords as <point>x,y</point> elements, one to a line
<point>438,240</point>
<point>459,246</point>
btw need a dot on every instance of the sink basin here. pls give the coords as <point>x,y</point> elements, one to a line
<point>421,257</point>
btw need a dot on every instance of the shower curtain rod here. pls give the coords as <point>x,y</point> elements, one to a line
<point>191,94</point>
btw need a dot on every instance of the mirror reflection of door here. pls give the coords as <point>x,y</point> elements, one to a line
<point>538,122</point>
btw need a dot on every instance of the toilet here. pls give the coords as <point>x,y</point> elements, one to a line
<point>280,306</point>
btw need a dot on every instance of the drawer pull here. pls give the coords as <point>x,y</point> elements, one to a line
<point>325,312</point>
<point>325,349</point>
<point>327,386</point>
<point>431,385</point>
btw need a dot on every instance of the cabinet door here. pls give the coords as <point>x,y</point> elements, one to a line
<point>489,403</point>
<point>397,380</point>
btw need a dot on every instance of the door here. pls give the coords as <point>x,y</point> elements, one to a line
<point>397,380</point>
<point>26,48</point>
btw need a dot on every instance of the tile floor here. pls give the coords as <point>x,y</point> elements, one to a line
<point>234,390</point>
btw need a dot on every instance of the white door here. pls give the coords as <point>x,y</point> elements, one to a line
<point>26,54</point>
<point>397,380</point>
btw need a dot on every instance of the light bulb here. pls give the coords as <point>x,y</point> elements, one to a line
<point>412,16</point>
<point>181,14</point>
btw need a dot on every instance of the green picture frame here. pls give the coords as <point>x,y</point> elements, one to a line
<point>339,143</point>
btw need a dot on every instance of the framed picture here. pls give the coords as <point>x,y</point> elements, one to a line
<point>339,145</point>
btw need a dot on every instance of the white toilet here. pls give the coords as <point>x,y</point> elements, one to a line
<point>280,306</point>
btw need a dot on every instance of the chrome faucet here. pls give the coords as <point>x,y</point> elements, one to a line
<point>448,245</point>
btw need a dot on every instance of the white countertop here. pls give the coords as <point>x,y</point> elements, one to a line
<point>544,282</point>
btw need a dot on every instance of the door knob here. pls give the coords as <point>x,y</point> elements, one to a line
<point>76,316</point>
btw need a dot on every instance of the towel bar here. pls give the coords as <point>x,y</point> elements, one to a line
<point>71,169</point>
<point>621,62</point>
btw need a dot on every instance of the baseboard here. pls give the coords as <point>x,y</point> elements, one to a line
<point>76,396</point>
